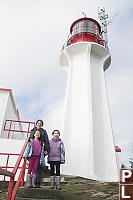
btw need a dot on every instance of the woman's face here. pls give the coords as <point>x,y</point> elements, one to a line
<point>56,134</point>
<point>39,124</point>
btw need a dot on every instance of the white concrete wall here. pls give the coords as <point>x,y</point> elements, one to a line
<point>14,145</point>
<point>104,150</point>
<point>8,112</point>
<point>78,114</point>
<point>87,132</point>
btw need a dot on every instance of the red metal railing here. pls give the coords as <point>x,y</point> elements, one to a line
<point>12,191</point>
<point>6,167</point>
<point>10,123</point>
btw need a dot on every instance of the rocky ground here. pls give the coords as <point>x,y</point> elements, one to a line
<point>84,189</point>
<point>3,190</point>
<point>75,188</point>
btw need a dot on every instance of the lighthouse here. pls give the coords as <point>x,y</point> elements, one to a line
<point>87,131</point>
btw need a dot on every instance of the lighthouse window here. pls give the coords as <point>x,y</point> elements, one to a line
<point>86,26</point>
<point>89,26</point>
<point>80,26</point>
<point>93,27</point>
<point>77,27</point>
<point>97,30</point>
<point>74,29</point>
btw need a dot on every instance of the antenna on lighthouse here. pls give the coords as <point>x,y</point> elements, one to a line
<point>84,14</point>
<point>103,22</point>
<point>110,21</point>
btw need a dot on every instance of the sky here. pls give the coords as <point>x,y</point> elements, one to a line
<point>32,33</point>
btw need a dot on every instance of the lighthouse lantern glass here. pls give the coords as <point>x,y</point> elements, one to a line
<point>85,26</point>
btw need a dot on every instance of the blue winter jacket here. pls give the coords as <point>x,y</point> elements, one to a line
<point>29,149</point>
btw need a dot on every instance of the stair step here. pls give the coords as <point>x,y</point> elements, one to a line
<point>44,192</point>
<point>19,198</point>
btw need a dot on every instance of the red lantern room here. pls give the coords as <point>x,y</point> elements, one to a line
<point>85,30</point>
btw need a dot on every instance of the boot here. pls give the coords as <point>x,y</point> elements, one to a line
<point>28,181</point>
<point>52,178</point>
<point>34,180</point>
<point>58,181</point>
<point>38,184</point>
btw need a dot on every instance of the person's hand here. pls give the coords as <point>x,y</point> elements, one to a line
<point>45,153</point>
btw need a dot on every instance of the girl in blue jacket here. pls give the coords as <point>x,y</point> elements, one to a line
<point>34,152</point>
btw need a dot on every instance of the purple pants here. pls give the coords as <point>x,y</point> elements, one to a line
<point>33,164</point>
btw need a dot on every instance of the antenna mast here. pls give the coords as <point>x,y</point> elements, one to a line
<point>103,22</point>
<point>84,14</point>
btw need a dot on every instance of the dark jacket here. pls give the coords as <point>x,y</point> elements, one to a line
<point>43,138</point>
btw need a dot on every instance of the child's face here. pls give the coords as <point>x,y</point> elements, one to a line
<point>37,135</point>
<point>56,134</point>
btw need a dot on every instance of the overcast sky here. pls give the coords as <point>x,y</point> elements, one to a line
<point>32,33</point>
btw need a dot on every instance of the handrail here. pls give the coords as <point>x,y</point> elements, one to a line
<point>6,173</point>
<point>89,32</point>
<point>12,193</point>
<point>10,129</point>
<point>7,165</point>
<point>22,172</point>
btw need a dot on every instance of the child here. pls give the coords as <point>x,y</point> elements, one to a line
<point>55,158</point>
<point>34,152</point>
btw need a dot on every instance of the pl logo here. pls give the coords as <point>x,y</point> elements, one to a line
<point>126,184</point>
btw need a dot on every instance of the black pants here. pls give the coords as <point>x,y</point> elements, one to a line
<point>54,164</point>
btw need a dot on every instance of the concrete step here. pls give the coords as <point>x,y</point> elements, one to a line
<point>44,192</point>
<point>19,198</point>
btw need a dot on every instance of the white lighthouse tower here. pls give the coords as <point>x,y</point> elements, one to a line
<point>87,133</point>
